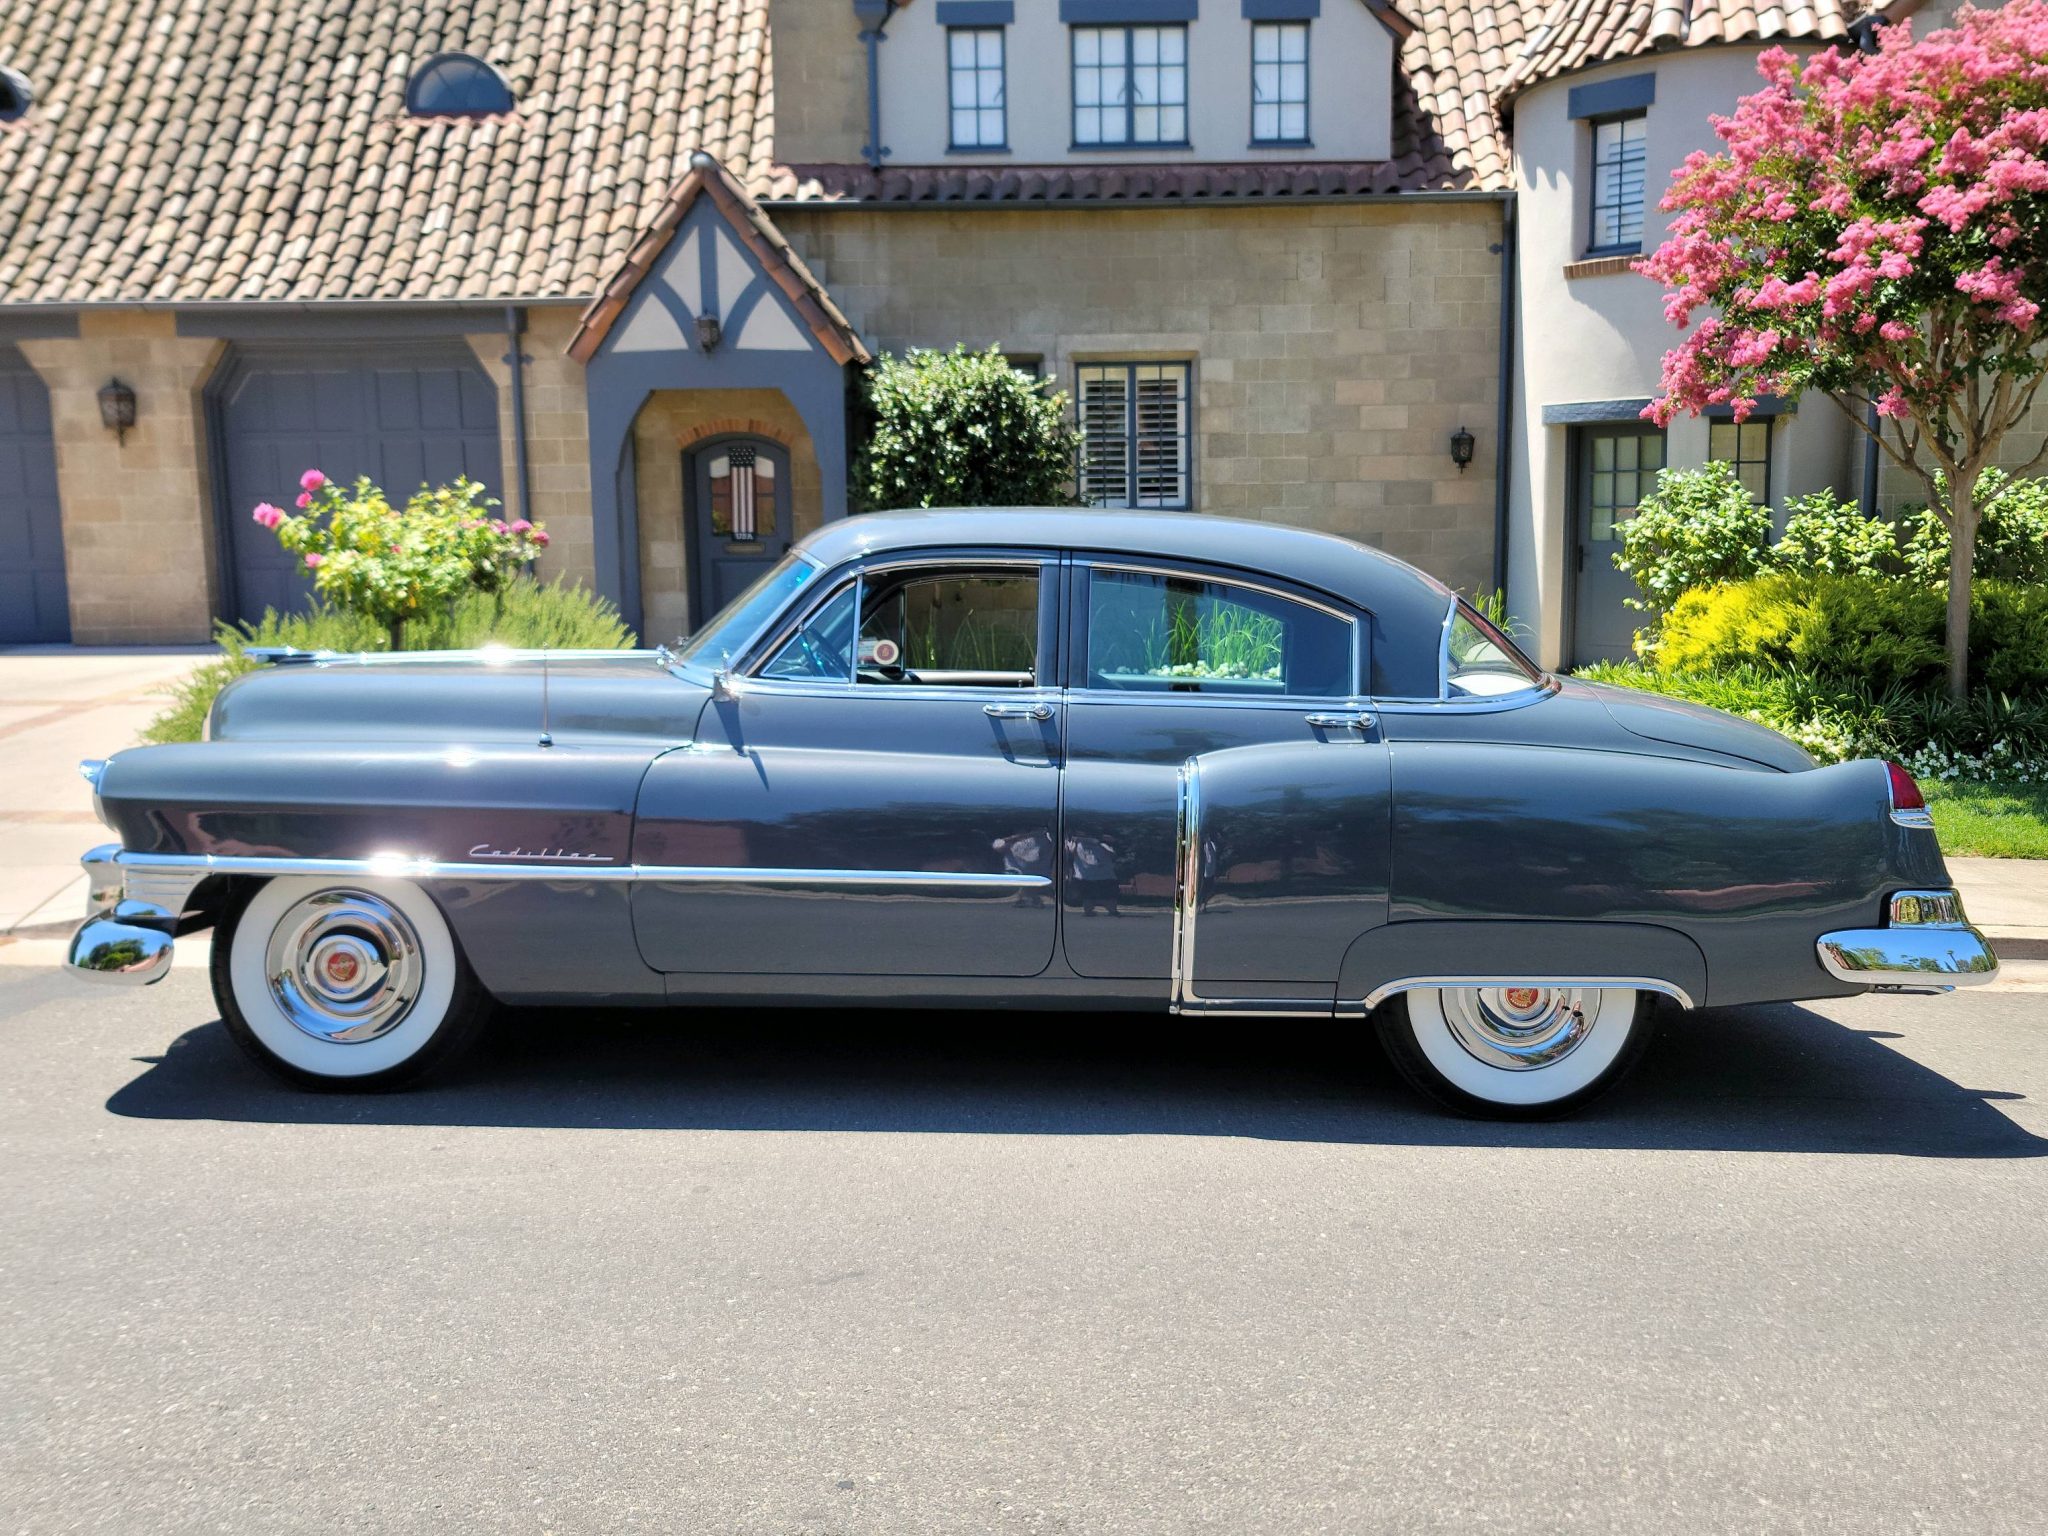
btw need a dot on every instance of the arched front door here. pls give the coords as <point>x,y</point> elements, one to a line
<point>739,518</point>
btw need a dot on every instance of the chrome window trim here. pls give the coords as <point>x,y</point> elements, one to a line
<point>1380,994</point>
<point>1535,693</point>
<point>1349,617</point>
<point>1182,998</point>
<point>763,647</point>
<point>400,866</point>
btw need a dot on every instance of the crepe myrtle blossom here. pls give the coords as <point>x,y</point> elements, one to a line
<point>1875,227</point>
<point>393,562</point>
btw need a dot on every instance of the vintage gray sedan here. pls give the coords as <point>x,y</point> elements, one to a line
<point>1019,759</point>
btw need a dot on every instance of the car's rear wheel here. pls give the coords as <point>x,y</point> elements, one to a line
<point>1517,1052</point>
<point>352,986</point>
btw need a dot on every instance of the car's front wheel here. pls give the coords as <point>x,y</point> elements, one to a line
<point>351,986</point>
<point>1517,1052</point>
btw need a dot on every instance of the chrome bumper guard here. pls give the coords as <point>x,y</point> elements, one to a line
<point>1927,945</point>
<point>128,934</point>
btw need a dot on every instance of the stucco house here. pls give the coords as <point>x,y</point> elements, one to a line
<point>620,263</point>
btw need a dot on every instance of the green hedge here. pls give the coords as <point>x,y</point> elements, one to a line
<point>525,615</point>
<point>1855,629</point>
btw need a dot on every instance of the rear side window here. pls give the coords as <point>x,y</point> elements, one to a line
<point>1154,633</point>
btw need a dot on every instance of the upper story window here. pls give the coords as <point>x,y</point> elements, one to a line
<point>457,85</point>
<point>1618,182</point>
<point>1130,86</point>
<point>1280,82</point>
<point>16,96</point>
<point>974,74</point>
<point>1135,434</point>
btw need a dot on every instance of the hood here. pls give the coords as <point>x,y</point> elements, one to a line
<point>1654,717</point>
<point>461,697</point>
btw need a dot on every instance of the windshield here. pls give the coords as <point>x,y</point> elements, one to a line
<point>743,618</point>
<point>1482,663</point>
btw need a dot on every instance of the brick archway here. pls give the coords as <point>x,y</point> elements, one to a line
<point>734,426</point>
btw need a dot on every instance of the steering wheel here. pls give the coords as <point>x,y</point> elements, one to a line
<point>825,664</point>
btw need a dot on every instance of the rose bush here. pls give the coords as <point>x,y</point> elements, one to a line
<point>394,564</point>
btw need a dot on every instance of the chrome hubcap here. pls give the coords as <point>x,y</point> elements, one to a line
<point>344,966</point>
<point>1519,1028</point>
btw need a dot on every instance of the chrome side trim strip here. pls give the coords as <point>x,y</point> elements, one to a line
<point>1187,898</point>
<point>400,866</point>
<point>1380,994</point>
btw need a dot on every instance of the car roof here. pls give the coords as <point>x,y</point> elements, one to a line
<point>1371,578</point>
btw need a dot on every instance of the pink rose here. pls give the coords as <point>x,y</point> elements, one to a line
<point>398,549</point>
<point>313,561</point>
<point>267,515</point>
<point>540,538</point>
<point>305,500</point>
<point>520,526</point>
<point>312,480</point>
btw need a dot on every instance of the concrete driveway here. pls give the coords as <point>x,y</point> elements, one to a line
<point>59,704</point>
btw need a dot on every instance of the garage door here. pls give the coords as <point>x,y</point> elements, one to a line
<point>33,607</point>
<point>405,419</point>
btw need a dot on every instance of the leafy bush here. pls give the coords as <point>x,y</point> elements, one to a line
<point>1830,536</point>
<point>961,429</point>
<point>399,564</point>
<point>1698,528</point>
<point>524,614</point>
<point>2012,535</point>
<point>1859,629</point>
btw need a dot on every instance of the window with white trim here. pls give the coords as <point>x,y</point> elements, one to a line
<point>1280,82</point>
<point>974,73</point>
<point>1135,434</point>
<point>1130,86</point>
<point>1618,180</point>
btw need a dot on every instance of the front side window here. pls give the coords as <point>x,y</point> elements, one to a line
<point>1154,633</point>
<point>1748,448</point>
<point>925,626</point>
<point>1618,180</point>
<point>1481,662</point>
<point>1130,86</point>
<point>974,67</point>
<point>1280,82</point>
<point>1135,442</point>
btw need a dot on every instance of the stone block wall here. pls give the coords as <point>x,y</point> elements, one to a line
<point>558,439</point>
<point>138,515</point>
<point>1336,347</point>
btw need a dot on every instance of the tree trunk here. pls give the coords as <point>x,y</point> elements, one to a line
<point>1962,559</point>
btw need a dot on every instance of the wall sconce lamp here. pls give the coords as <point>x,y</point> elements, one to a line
<point>117,409</point>
<point>708,332</point>
<point>1461,448</point>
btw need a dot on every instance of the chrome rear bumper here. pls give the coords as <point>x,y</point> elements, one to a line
<point>1926,946</point>
<point>123,939</point>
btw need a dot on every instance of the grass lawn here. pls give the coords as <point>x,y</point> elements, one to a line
<point>1995,821</point>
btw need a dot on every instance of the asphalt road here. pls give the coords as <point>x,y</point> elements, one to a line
<point>782,1274</point>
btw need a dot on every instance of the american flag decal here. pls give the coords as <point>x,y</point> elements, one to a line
<point>743,519</point>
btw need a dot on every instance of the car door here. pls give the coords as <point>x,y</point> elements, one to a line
<point>1169,662</point>
<point>877,791</point>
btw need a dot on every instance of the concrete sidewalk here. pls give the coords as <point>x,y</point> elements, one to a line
<point>59,704</point>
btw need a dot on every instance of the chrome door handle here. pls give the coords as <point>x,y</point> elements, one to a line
<point>1039,712</point>
<point>1353,722</point>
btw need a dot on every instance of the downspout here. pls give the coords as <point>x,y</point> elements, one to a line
<point>514,323</point>
<point>873,16</point>
<point>1504,428</point>
<point>1870,464</point>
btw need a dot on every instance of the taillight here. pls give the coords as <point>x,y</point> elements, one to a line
<point>1909,806</point>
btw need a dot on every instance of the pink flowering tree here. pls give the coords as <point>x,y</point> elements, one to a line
<point>1876,228</point>
<point>393,563</point>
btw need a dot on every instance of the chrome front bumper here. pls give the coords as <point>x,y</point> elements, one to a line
<point>1927,945</point>
<point>128,935</point>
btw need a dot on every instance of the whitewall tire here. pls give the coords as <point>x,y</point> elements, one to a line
<point>355,985</point>
<point>1518,1052</point>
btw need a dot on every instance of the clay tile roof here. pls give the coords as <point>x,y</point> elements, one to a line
<point>198,150</point>
<point>835,333</point>
<point>1567,35</point>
